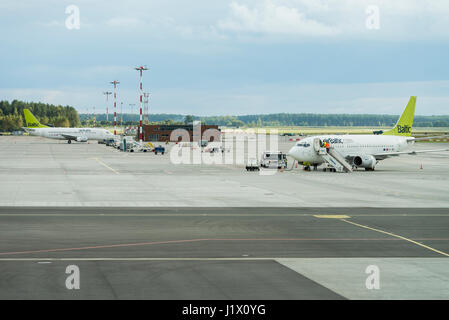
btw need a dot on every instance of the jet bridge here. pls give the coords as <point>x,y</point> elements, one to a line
<point>332,157</point>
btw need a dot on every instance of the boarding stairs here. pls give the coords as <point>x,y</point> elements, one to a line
<point>332,157</point>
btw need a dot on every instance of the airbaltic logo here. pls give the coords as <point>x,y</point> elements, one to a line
<point>33,124</point>
<point>333,140</point>
<point>404,129</point>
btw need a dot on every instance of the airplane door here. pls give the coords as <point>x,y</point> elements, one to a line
<point>316,144</point>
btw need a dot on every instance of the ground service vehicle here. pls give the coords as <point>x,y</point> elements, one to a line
<point>273,159</point>
<point>159,149</point>
<point>252,165</point>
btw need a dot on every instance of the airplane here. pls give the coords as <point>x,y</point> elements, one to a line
<point>344,153</point>
<point>35,128</point>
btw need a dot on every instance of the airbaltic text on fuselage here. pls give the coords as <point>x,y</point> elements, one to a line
<point>333,140</point>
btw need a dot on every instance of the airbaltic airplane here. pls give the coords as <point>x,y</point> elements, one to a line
<point>34,128</point>
<point>360,151</point>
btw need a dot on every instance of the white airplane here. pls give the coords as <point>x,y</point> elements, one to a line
<point>34,128</point>
<point>347,152</point>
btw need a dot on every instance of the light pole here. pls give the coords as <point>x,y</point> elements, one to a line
<point>131,107</point>
<point>121,114</point>
<point>115,83</point>
<point>107,93</point>
<point>146,95</point>
<point>141,69</point>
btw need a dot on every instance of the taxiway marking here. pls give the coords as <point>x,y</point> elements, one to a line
<point>331,216</point>
<point>203,214</point>
<point>119,245</point>
<point>397,236</point>
<point>105,165</point>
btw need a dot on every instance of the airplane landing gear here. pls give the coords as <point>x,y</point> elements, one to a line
<point>69,141</point>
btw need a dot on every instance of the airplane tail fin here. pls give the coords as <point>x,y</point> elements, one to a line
<point>404,125</point>
<point>31,120</point>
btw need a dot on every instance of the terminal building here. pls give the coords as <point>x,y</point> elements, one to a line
<point>176,133</point>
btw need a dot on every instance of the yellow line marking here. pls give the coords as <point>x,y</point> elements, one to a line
<point>331,216</point>
<point>106,166</point>
<point>398,236</point>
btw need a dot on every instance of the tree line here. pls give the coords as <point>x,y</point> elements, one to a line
<point>312,120</point>
<point>282,119</point>
<point>12,117</point>
<point>128,119</point>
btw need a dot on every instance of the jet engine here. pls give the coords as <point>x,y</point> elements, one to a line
<point>366,161</point>
<point>81,139</point>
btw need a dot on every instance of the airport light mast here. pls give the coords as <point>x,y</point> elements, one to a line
<point>107,93</point>
<point>140,69</point>
<point>146,95</point>
<point>131,107</point>
<point>115,83</point>
<point>121,115</point>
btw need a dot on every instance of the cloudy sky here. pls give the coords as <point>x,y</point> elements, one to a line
<point>229,57</point>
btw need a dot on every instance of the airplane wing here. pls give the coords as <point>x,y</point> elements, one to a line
<point>427,138</point>
<point>381,156</point>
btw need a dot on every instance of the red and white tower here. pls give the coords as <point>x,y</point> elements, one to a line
<point>115,83</point>
<point>107,93</point>
<point>141,69</point>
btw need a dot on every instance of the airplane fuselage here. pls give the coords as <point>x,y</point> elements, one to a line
<point>62,133</point>
<point>349,146</point>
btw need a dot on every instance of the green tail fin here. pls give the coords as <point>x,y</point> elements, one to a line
<point>404,125</point>
<point>31,120</point>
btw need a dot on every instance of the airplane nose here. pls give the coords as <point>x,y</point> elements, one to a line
<point>291,152</point>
